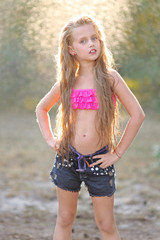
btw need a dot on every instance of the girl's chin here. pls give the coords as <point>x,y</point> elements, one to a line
<point>88,59</point>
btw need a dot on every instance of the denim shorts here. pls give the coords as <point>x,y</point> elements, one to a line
<point>70,173</point>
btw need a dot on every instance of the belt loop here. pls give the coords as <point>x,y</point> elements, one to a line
<point>91,156</point>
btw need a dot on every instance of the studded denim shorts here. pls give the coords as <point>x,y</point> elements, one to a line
<point>69,174</point>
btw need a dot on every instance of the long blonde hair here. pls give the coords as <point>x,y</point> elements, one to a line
<point>68,67</point>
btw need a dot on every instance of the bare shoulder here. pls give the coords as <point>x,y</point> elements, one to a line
<point>117,81</point>
<point>115,77</point>
<point>113,72</point>
<point>51,98</point>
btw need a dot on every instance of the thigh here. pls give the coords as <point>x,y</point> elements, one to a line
<point>67,202</point>
<point>104,209</point>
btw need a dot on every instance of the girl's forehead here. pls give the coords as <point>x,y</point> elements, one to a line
<point>83,31</point>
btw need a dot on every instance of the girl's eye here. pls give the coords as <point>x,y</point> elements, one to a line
<point>82,41</point>
<point>94,38</point>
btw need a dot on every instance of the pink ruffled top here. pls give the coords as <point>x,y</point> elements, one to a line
<point>84,99</point>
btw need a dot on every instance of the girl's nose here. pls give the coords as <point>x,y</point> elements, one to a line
<point>91,44</point>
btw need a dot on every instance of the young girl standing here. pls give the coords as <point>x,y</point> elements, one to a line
<point>85,133</point>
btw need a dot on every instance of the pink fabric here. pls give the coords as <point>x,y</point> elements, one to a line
<point>86,99</point>
<point>114,99</point>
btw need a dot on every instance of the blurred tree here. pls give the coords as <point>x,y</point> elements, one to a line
<point>20,68</point>
<point>140,58</point>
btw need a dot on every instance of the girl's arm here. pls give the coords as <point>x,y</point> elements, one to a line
<point>43,118</point>
<point>137,116</point>
<point>133,108</point>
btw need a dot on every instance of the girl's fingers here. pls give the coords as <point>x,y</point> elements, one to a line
<point>97,162</point>
<point>98,156</point>
<point>103,165</point>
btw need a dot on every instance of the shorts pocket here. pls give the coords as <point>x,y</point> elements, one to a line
<point>56,165</point>
<point>53,173</point>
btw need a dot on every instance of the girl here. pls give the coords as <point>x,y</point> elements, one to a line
<point>86,125</point>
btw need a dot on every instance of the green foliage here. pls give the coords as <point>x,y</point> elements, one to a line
<point>146,73</point>
<point>140,55</point>
<point>132,84</point>
<point>22,70</point>
<point>142,30</point>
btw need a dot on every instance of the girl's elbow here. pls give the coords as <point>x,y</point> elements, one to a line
<point>40,108</point>
<point>141,116</point>
<point>138,116</point>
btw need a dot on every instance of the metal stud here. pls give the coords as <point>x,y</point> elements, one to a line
<point>110,174</point>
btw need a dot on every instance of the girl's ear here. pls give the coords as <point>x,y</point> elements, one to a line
<point>71,50</point>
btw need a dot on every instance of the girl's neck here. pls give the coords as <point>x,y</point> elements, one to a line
<point>86,70</point>
<point>85,77</point>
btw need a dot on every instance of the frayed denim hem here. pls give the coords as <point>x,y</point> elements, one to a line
<point>103,195</point>
<point>66,189</point>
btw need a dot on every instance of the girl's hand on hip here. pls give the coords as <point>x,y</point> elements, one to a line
<point>53,143</point>
<point>105,160</point>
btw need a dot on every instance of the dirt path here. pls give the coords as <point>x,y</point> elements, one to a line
<point>28,199</point>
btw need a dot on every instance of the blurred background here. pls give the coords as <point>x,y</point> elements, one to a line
<point>29,35</point>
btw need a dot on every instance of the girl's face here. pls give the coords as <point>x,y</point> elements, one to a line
<point>85,45</point>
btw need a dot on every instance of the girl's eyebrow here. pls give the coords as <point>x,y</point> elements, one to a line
<point>82,38</point>
<point>93,35</point>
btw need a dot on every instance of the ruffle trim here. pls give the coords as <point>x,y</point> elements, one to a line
<point>85,106</point>
<point>84,99</point>
<point>83,92</point>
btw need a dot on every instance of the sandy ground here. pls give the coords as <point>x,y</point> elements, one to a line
<point>28,201</point>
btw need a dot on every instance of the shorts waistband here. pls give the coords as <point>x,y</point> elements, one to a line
<point>81,157</point>
<point>89,155</point>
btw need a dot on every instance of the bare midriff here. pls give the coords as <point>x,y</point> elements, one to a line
<point>86,140</point>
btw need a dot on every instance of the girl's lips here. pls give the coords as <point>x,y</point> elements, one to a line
<point>93,51</point>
